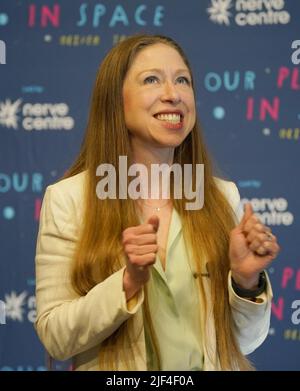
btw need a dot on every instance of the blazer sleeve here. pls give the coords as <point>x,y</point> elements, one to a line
<point>251,319</point>
<point>68,324</point>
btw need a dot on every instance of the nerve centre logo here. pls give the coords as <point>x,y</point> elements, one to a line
<point>19,307</point>
<point>271,211</point>
<point>35,116</point>
<point>248,12</point>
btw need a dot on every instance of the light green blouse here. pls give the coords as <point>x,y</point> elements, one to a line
<point>175,309</point>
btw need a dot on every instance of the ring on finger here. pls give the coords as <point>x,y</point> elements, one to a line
<point>269,236</point>
<point>261,251</point>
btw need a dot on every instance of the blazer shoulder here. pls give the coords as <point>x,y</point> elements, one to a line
<point>70,187</point>
<point>231,192</point>
<point>67,194</point>
<point>225,185</point>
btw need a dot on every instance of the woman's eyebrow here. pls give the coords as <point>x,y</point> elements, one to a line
<point>157,70</point>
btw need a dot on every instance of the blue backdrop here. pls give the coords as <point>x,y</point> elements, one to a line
<point>248,87</point>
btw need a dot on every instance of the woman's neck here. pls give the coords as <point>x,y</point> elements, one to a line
<point>148,156</point>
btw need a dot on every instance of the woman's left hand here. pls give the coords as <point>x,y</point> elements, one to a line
<point>252,248</point>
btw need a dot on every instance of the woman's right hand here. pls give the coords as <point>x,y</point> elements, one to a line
<point>140,247</point>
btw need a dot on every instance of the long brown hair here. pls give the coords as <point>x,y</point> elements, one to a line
<point>99,252</point>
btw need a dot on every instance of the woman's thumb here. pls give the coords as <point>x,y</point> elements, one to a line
<point>248,211</point>
<point>154,220</point>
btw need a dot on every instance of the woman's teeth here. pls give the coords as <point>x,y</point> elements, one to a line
<point>173,118</point>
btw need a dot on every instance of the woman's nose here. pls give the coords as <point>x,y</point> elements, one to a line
<point>170,93</point>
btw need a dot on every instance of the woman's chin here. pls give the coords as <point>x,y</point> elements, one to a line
<point>171,141</point>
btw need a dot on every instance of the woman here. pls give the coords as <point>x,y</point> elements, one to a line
<point>141,283</point>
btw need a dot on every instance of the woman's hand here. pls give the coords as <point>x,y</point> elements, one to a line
<point>252,248</point>
<point>140,247</point>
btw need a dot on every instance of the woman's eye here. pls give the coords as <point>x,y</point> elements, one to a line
<point>183,80</point>
<point>151,80</point>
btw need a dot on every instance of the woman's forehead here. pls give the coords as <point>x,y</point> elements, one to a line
<point>157,56</point>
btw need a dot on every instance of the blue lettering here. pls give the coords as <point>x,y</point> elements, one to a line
<point>119,15</point>
<point>99,11</point>
<point>21,368</point>
<point>250,183</point>
<point>212,82</point>
<point>6,368</point>
<point>137,15</point>
<point>33,89</point>
<point>158,15</point>
<point>16,185</point>
<point>21,182</point>
<point>249,80</point>
<point>4,188</point>
<point>82,11</point>
<point>236,81</point>
<point>41,368</point>
<point>37,182</point>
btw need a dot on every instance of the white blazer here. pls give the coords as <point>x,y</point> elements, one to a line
<point>71,326</point>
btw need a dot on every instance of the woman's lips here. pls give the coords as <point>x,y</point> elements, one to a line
<point>170,120</point>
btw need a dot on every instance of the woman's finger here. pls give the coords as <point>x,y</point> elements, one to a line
<point>142,260</point>
<point>248,212</point>
<point>250,223</point>
<point>261,236</point>
<point>141,250</point>
<point>254,245</point>
<point>146,239</point>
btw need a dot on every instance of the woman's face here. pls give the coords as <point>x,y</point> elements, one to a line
<point>159,102</point>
